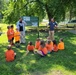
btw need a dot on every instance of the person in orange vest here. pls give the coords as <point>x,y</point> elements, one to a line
<point>37,43</point>
<point>30,47</point>
<point>9,35</point>
<point>61,44</point>
<point>10,55</point>
<point>55,47</point>
<point>12,34</point>
<point>42,49</point>
<point>48,39</point>
<point>17,37</point>
<point>49,47</point>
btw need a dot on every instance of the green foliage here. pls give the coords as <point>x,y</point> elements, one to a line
<point>39,8</point>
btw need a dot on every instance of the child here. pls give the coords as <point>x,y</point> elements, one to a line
<point>9,35</point>
<point>48,39</point>
<point>61,44</point>
<point>30,47</point>
<point>17,37</point>
<point>37,43</point>
<point>55,47</point>
<point>49,47</point>
<point>12,34</point>
<point>42,49</point>
<point>10,55</point>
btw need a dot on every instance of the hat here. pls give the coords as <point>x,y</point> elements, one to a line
<point>9,47</point>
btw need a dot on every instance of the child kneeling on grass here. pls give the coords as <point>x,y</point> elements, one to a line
<point>61,44</point>
<point>10,55</point>
<point>42,49</point>
<point>30,47</point>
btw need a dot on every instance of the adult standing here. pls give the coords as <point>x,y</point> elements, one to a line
<point>52,25</point>
<point>21,27</point>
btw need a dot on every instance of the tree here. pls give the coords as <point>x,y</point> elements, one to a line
<point>53,8</point>
<point>2,7</point>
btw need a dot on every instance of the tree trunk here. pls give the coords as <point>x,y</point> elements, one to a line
<point>70,14</point>
<point>48,12</point>
<point>71,11</point>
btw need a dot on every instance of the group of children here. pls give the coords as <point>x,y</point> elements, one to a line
<point>41,47</point>
<point>13,35</point>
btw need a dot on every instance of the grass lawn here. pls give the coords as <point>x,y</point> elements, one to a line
<point>56,63</point>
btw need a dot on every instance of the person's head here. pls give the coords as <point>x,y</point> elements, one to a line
<point>12,26</point>
<point>16,29</point>
<point>42,43</point>
<point>61,40</point>
<point>30,43</point>
<point>38,39</point>
<point>20,19</point>
<point>52,19</point>
<point>54,42</point>
<point>9,47</point>
<point>8,27</point>
<point>48,42</point>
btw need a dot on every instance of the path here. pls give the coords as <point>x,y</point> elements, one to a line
<point>72,31</point>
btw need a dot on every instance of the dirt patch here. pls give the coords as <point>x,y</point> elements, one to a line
<point>56,72</point>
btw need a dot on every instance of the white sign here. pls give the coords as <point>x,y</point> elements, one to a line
<point>34,24</point>
<point>26,18</point>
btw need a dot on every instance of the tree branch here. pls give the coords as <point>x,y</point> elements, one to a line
<point>32,2</point>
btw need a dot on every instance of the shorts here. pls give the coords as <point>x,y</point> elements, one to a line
<point>17,42</point>
<point>43,53</point>
<point>9,40</point>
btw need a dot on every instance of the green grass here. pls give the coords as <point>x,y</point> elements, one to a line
<point>56,63</point>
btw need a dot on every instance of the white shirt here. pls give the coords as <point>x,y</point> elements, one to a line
<point>21,24</point>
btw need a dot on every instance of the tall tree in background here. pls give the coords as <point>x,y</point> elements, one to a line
<point>3,4</point>
<point>53,8</point>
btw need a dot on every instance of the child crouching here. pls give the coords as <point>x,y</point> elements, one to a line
<point>30,47</point>
<point>61,44</point>
<point>10,55</point>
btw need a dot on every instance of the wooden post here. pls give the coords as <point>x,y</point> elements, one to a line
<point>38,27</point>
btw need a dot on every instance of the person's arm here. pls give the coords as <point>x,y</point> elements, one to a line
<point>17,25</point>
<point>48,24</point>
<point>59,46</point>
<point>27,51</point>
<point>24,23</point>
<point>13,53</point>
<point>56,25</point>
<point>8,33</point>
<point>33,47</point>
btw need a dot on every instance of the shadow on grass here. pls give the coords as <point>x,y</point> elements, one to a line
<point>33,64</point>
